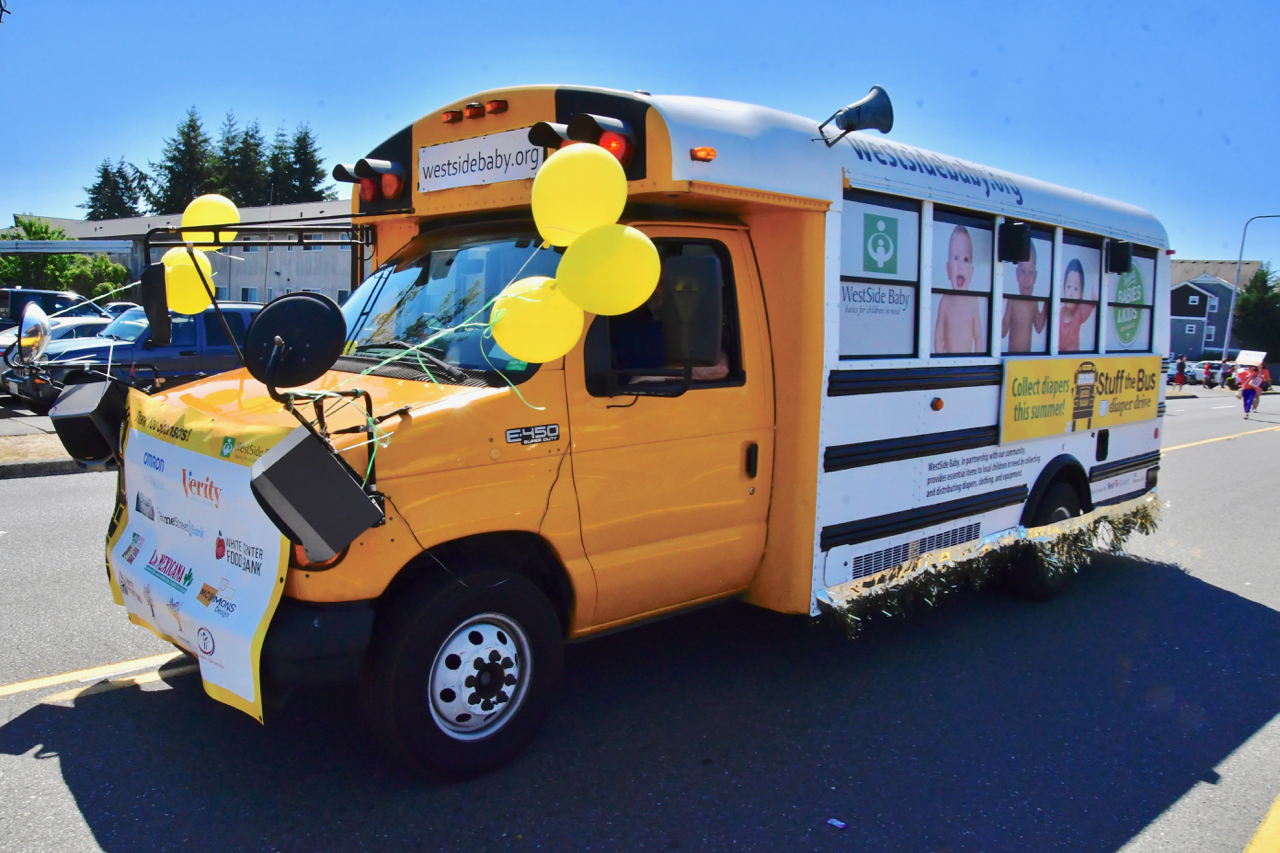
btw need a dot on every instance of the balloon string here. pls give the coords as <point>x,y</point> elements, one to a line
<point>76,305</point>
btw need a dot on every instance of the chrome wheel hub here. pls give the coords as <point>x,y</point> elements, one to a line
<point>479,677</point>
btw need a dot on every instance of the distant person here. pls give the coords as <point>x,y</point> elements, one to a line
<point>960,327</point>
<point>1021,316</point>
<point>1250,380</point>
<point>1074,314</point>
<point>1208,374</point>
<point>1180,374</point>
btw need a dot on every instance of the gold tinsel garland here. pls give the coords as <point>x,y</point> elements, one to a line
<point>1063,547</point>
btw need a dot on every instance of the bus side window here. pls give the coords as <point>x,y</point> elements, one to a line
<point>879,275</point>
<point>1028,309</point>
<point>1081,288</point>
<point>1130,297</point>
<point>962,258</point>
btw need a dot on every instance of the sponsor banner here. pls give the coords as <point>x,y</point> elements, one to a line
<point>489,159</point>
<point>1045,397</point>
<point>195,558</point>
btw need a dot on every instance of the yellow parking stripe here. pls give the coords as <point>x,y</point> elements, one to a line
<point>87,674</point>
<point>117,683</point>
<point>1220,438</point>
<point>1267,838</point>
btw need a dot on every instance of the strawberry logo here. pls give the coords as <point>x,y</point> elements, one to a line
<point>222,546</point>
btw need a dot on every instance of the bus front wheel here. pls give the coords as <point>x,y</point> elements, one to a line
<point>462,672</point>
<point>1029,577</point>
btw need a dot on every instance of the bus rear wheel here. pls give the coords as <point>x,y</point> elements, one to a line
<point>462,672</point>
<point>1029,577</point>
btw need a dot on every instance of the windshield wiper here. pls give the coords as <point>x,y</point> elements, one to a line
<point>452,372</point>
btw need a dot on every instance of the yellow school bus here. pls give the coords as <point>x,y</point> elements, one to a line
<point>901,338</point>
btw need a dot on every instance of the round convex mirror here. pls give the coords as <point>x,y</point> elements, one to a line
<point>313,330</point>
<point>33,333</point>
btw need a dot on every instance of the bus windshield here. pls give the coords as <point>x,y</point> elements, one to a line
<point>439,291</point>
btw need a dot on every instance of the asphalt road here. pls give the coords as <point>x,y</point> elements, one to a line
<point>1136,712</point>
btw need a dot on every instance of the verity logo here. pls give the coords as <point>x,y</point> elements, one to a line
<point>204,489</point>
<point>880,252</point>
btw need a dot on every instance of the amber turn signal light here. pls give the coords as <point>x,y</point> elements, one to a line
<point>473,110</point>
<point>936,404</point>
<point>702,154</point>
<point>498,106</point>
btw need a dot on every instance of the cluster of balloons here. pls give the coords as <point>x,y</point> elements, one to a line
<point>607,268</point>
<point>185,292</point>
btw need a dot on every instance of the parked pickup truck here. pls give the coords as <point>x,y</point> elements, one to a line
<point>199,347</point>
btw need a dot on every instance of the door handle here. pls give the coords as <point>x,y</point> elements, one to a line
<point>188,352</point>
<point>753,459</point>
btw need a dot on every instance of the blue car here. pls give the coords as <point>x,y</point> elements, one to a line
<point>199,347</point>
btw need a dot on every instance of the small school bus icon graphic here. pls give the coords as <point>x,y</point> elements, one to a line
<point>1082,404</point>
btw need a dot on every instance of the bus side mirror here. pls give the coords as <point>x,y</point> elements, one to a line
<point>1119,256</point>
<point>692,310</point>
<point>155,302</point>
<point>1015,242</point>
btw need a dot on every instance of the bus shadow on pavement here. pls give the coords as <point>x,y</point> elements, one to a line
<point>985,724</point>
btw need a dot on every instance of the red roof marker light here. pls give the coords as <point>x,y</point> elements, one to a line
<point>702,154</point>
<point>451,116</point>
<point>473,110</point>
<point>498,106</point>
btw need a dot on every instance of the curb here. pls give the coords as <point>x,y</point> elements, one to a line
<point>39,468</point>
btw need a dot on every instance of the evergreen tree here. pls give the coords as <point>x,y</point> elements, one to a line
<point>309,174</point>
<point>1257,321</point>
<point>186,168</point>
<point>224,160</point>
<point>248,183</point>
<point>280,169</point>
<point>116,193</point>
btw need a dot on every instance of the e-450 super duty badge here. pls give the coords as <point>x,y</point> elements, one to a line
<point>533,434</point>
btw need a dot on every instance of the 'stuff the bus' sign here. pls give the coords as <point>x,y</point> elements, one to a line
<point>1045,397</point>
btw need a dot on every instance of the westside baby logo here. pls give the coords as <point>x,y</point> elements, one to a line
<point>203,490</point>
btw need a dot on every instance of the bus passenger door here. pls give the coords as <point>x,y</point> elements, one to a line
<point>673,492</point>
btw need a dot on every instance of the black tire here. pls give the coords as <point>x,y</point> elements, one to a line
<point>416,711</point>
<point>1029,578</point>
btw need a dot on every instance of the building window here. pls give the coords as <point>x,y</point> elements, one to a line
<point>221,292</point>
<point>311,247</point>
<point>248,294</point>
<point>249,249</point>
<point>1210,332</point>
<point>1213,304</point>
<point>343,296</point>
<point>1191,328</point>
<point>344,247</point>
<point>1193,299</point>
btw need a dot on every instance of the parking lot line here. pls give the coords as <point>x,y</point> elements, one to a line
<point>118,683</point>
<point>86,674</point>
<point>1219,438</point>
<point>1267,838</point>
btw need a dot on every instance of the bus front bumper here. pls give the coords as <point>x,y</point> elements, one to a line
<point>310,644</point>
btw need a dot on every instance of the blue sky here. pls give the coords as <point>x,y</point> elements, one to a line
<point>1170,106</point>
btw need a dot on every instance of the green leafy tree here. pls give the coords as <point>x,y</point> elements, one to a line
<point>86,275</point>
<point>187,167</point>
<point>1257,319</point>
<point>116,194</point>
<point>46,272</point>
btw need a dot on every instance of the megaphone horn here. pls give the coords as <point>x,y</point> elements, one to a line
<point>874,112</point>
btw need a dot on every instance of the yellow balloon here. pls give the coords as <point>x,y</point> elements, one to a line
<point>579,188</point>
<point>209,210</point>
<point>534,322</point>
<point>185,292</point>
<point>609,270</point>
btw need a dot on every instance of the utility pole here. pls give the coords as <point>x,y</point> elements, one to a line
<point>1231,314</point>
